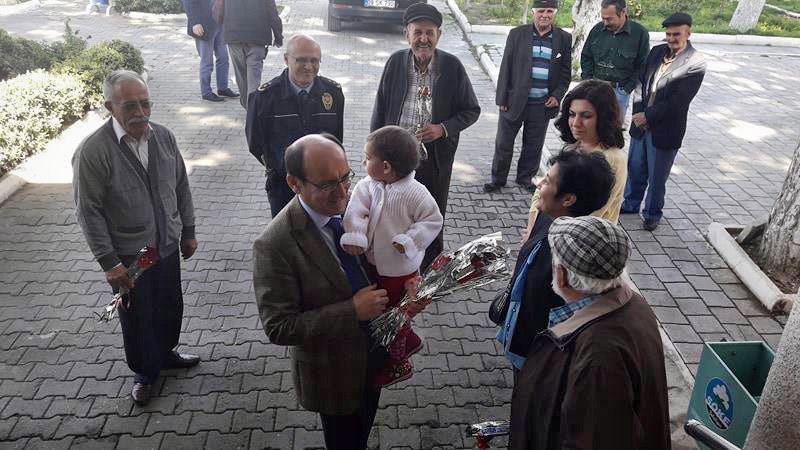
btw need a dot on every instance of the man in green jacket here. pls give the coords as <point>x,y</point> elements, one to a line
<point>615,51</point>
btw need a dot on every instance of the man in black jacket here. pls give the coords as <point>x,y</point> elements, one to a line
<point>534,76</point>
<point>672,77</point>
<point>296,103</point>
<point>422,73</point>
<point>207,34</point>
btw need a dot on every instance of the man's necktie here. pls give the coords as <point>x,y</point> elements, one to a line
<point>350,265</point>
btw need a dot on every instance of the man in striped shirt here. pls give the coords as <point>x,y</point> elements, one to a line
<point>533,78</point>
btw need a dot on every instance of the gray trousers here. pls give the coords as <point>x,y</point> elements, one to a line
<point>248,61</point>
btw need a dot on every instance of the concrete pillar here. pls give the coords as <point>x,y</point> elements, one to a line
<point>776,425</point>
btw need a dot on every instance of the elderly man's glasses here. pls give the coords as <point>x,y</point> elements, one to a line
<point>330,186</point>
<point>134,106</point>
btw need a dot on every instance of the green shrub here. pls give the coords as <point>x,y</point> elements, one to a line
<point>20,55</point>
<point>93,65</point>
<point>149,6</point>
<point>69,47</point>
<point>132,57</point>
<point>34,107</point>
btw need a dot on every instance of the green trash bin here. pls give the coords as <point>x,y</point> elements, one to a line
<point>728,385</point>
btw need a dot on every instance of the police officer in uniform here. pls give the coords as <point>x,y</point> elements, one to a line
<point>295,103</point>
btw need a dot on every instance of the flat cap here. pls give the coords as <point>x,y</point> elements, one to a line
<point>589,246</point>
<point>545,4</point>
<point>422,11</point>
<point>678,18</point>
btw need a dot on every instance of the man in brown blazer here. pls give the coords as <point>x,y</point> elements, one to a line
<point>317,299</point>
<point>533,78</point>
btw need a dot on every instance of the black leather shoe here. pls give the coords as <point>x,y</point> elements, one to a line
<point>227,92</point>
<point>141,393</point>
<point>650,225</point>
<point>623,210</point>
<point>212,97</point>
<point>181,361</point>
<point>492,187</point>
<point>527,187</point>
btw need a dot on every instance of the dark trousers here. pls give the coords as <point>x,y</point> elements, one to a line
<point>151,324</point>
<point>648,169</point>
<point>434,173</point>
<point>535,122</point>
<point>279,194</point>
<point>351,432</point>
<point>207,48</point>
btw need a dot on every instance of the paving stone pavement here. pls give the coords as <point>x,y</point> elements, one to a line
<point>63,379</point>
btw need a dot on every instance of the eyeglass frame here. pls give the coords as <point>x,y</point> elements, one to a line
<point>330,186</point>
<point>134,105</point>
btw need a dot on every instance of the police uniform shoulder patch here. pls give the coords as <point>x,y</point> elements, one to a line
<point>264,86</point>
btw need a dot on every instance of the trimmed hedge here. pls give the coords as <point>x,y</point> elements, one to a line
<point>93,65</point>
<point>36,105</point>
<point>149,6</point>
<point>33,109</point>
<point>19,55</point>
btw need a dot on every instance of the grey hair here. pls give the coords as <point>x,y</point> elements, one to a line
<point>619,5</point>
<point>584,284</point>
<point>119,76</point>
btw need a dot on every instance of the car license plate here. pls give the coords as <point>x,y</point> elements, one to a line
<point>379,3</point>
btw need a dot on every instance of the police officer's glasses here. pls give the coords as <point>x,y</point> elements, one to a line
<point>330,186</point>
<point>134,106</point>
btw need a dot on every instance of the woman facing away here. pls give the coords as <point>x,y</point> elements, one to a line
<point>590,122</point>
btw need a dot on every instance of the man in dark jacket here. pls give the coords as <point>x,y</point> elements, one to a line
<point>296,103</point>
<point>422,74</point>
<point>672,77</point>
<point>534,76</point>
<point>615,51</point>
<point>595,377</point>
<point>251,26</point>
<point>207,34</point>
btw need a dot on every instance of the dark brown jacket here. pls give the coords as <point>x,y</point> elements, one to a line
<point>305,302</point>
<point>595,381</point>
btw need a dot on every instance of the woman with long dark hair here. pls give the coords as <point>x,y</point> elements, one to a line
<point>590,122</point>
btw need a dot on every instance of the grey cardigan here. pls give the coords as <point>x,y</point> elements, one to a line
<point>120,206</point>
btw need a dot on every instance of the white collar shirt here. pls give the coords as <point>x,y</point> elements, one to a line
<point>139,147</point>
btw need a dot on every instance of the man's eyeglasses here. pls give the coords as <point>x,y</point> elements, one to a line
<point>330,186</point>
<point>304,61</point>
<point>134,106</point>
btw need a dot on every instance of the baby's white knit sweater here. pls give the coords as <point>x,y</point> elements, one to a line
<point>381,214</point>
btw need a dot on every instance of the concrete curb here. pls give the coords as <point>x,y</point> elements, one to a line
<point>752,276</point>
<point>47,165</point>
<point>697,38</point>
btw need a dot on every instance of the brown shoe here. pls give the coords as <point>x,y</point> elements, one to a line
<point>141,393</point>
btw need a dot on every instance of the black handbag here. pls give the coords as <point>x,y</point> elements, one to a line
<point>499,306</point>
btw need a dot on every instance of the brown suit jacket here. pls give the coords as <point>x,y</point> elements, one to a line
<point>305,302</point>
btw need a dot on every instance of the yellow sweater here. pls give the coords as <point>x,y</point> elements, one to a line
<point>618,161</point>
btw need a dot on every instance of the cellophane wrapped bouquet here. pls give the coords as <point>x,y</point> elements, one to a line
<point>475,264</point>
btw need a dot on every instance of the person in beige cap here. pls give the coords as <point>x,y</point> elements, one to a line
<point>595,377</point>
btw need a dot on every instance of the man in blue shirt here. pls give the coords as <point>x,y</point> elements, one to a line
<point>533,78</point>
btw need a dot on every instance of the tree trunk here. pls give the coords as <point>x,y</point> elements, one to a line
<point>525,12</point>
<point>585,14</point>
<point>775,424</point>
<point>779,249</point>
<point>746,15</point>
